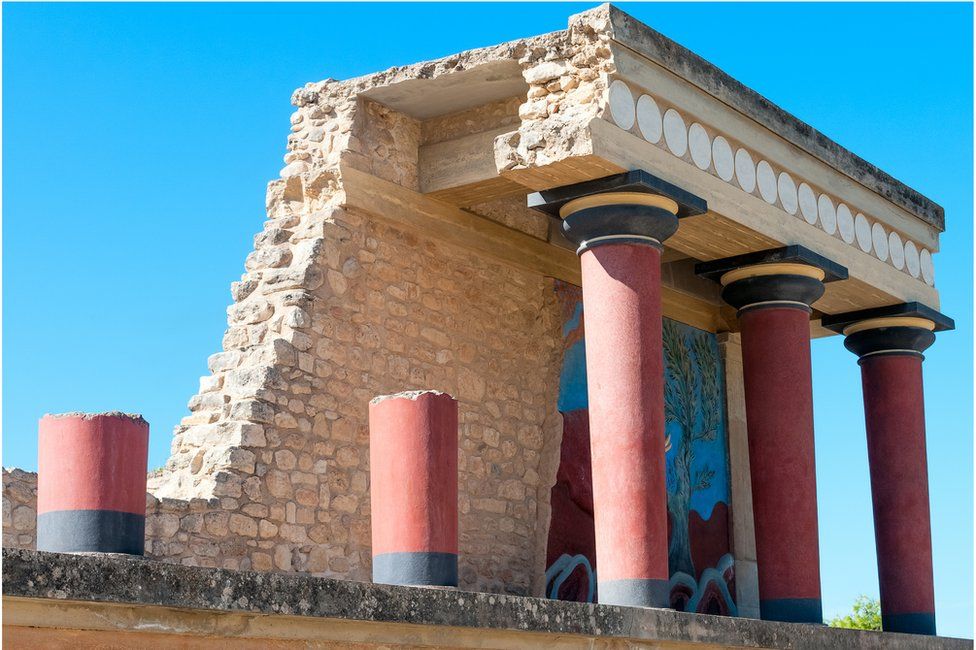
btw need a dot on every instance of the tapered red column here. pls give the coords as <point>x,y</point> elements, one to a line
<point>779,414</point>
<point>413,464</point>
<point>624,372</point>
<point>773,299</point>
<point>91,483</point>
<point>890,350</point>
<point>617,225</point>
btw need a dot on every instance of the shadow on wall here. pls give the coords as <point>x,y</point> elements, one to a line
<point>699,524</point>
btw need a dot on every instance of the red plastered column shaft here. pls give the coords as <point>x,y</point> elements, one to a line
<point>91,486</point>
<point>625,380</point>
<point>779,413</point>
<point>895,418</point>
<point>413,457</point>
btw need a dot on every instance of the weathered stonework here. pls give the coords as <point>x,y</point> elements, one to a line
<point>109,601</point>
<point>399,254</point>
<point>19,508</point>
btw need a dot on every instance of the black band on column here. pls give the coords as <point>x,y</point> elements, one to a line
<point>906,328</point>
<point>619,223</point>
<point>782,290</point>
<point>890,341</point>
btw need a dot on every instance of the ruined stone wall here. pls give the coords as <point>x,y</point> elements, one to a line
<point>271,473</point>
<point>567,73</point>
<point>19,508</point>
<point>270,469</point>
<point>338,306</point>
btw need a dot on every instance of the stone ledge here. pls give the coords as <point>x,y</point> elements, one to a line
<point>113,580</point>
<point>681,61</point>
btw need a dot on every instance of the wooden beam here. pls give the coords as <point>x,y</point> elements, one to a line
<point>464,162</point>
<point>741,223</point>
<point>438,220</point>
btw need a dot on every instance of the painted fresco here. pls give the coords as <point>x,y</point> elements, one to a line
<point>699,524</point>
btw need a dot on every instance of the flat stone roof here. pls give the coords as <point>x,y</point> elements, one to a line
<point>637,36</point>
<point>135,581</point>
<point>411,87</point>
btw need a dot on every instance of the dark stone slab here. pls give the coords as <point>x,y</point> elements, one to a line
<point>56,576</point>
<point>637,180</point>
<point>837,322</point>
<point>715,269</point>
<point>686,64</point>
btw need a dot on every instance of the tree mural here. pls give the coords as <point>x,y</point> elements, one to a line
<point>692,400</point>
<point>702,576</point>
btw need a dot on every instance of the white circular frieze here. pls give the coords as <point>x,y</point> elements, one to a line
<point>845,223</point>
<point>792,194</point>
<point>701,148</point>
<point>896,249</point>
<point>926,266</point>
<point>787,192</point>
<point>911,259</point>
<point>828,216</point>
<point>879,238</point>
<point>675,132</point>
<point>622,105</point>
<point>723,158</point>
<point>808,203</point>
<point>649,119</point>
<point>745,170</point>
<point>862,232</point>
<point>766,178</point>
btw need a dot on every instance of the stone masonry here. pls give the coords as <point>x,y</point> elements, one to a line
<point>336,305</point>
<point>339,303</point>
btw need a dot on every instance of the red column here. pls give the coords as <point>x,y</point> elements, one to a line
<point>779,416</point>
<point>895,417</point>
<point>773,291</point>
<point>91,483</point>
<point>625,382</point>
<point>413,457</point>
<point>618,224</point>
<point>889,342</point>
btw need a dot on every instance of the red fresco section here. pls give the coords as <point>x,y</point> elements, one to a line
<point>413,457</point>
<point>574,459</point>
<point>895,418</point>
<point>625,382</point>
<point>779,412</point>
<point>93,462</point>
<point>571,533</point>
<point>710,538</point>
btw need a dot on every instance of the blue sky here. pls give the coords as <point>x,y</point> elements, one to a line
<point>138,140</point>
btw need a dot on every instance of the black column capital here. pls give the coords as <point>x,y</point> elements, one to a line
<point>634,207</point>
<point>903,329</point>
<point>791,276</point>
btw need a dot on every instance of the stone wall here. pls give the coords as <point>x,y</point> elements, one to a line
<point>19,508</point>
<point>337,305</point>
<point>270,470</point>
<point>568,80</point>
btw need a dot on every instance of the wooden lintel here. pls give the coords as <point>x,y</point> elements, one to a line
<point>444,222</point>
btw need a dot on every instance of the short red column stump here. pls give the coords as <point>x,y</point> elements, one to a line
<point>413,457</point>
<point>91,483</point>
